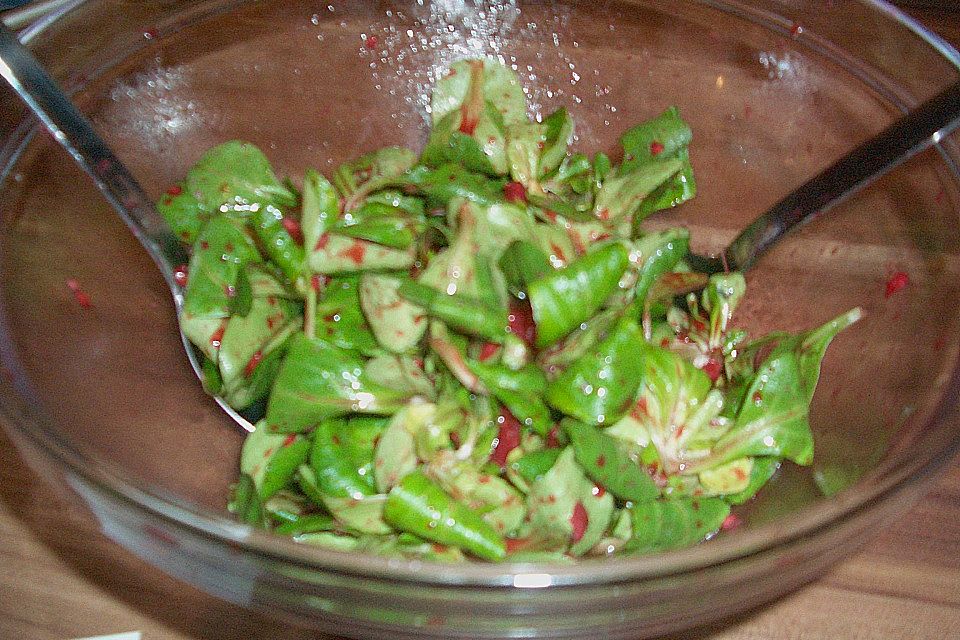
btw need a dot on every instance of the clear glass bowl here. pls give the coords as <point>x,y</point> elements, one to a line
<point>102,399</point>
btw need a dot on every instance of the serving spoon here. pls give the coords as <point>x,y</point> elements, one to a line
<point>919,129</point>
<point>44,97</point>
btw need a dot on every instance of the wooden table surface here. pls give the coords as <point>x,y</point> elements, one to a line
<point>60,578</point>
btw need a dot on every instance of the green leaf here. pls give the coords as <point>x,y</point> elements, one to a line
<point>248,340</point>
<point>600,387</point>
<point>340,319</point>
<point>553,499</point>
<point>533,465</point>
<point>520,390</point>
<point>400,373</point>
<point>497,225</point>
<point>362,515</point>
<point>220,253</point>
<point>397,324</point>
<point>338,254</point>
<point>623,191</point>
<point>396,454</point>
<point>321,208</point>
<point>607,464</point>
<point>535,150</point>
<point>676,405</point>
<point>448,144</point>
<point>311,523</point>
<point>578,343</point>
<point>497,84</point>
<point>419,506</point>
<point>564,298</point>
<point>720,299</point>
<point>763,469</point>
<point>772,421</point>
<point>336,474</point>
<point>523,145</point>
<point>670,136</point>
<point>656,255</point>
<point>359,441</point>
<point>183,213</point>
<point>237,173</point>
<point>396,232</point>
<point>271,459</point>
<point>318,381</point>
<point>560,128</point>
<point>730,478</point>
<point>667,134</point>
<point>245,502</point>
<point>462,312</point>
<point>523,262</point>
<point>661,525</point>
<point>453,270</point>
<point>500,505</point>
<point>242,299</point>
<point>372,172</point>
<point>450,181</point>
<point>280,247</point>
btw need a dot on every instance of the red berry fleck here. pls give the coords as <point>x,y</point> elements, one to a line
<point>731,522</point>
<point>175,190</point>
<point>319,282</point>
<point>514,192</point>
<point>322,241</point>
<point>218,336</point>
<point>795,29</point>
<point>370,42</point>
<point>713,368</point>
<point>79,294</point>
<point>180,275</point>
<point>601,461</point>
<point>521,321</point>
<point>355,252</point>
<point>656,148</point>
<point>252,364</point>
<point>488,350</point>
<point>290,439</point>
<point>293,228</point>
<point>508,438</point>
<point>579,521</point>
<point>553,437</point>
<point>896,282</point>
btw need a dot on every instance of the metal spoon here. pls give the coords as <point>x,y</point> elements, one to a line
<point>74,132</point>
<point>916,131</point>
<point>924,126</point>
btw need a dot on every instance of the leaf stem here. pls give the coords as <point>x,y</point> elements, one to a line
<point>310,314</point>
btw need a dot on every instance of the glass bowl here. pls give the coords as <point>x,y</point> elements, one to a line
<point>100,398</point>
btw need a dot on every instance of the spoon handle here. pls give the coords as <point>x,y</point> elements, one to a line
<point>919,129</point>
<point>74,132</point>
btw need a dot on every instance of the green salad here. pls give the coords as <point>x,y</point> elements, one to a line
<point>476,352</point>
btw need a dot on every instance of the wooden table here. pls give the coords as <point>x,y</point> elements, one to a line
<point>60,578</point>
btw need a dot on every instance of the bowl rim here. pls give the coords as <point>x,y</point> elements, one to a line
<point>905,478</point>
